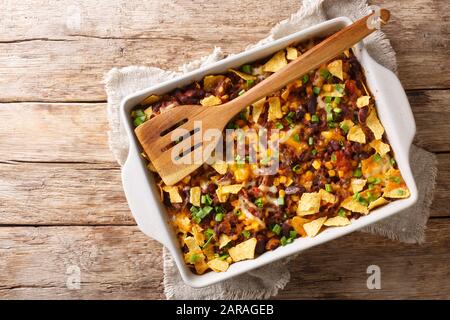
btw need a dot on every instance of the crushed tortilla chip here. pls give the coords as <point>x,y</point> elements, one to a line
<point>327,196</point>
<point>312,228</point>
<point>218,265</point>
<point>292,53</point>
<point>222,196</point>
<point>347,123</point>
<point>358,185</point>
<point>354,205</point>
<point>220,167</point>
<point>371,166</point>
<point>297,223</point>
<point>210,101</point>
<point>337,221</point>
<point>232,188</point>
<point>335,69</point>
<point>194,196</point>
<point>192,245</point>
<point>244,250</point>
<point>173,194</point>
<point>208,251</point>
<point>243,75</point>
<point>274,109</point>
<point>309,204</point>
<point>223,240</point>
<point>376,203</point>
<point>150,99</point>
<point>211,82</point>
<point>275,63</point>
<point>380,147</point>
<point>356,134</point>
<point>331,90</point>
<point>201,266</point>
<point>395,186</point>
<point>183,222</point>
<point>375,125</point>
<point>397,193</point>
<point>257,109</point>
<point>198,234</point>
<point>362,101</point>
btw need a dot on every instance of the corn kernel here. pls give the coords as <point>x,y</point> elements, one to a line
<point>328,165</point>
<point>285,109</point>
<point>276,182</point>
<point>283,179</point>
<point>295,198</point>
<point>187,179</point>
<point>281,193</point>
<point>307,117</point>
<point>340,173</point>
<point>331,173</point>
<point>288,182</point>
<point>229,260</point>
<point>327,87</point>
<point>316,164</point>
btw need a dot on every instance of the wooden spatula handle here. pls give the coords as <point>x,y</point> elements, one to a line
<point>313,58</point>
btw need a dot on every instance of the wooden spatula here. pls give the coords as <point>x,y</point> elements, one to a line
<point>157,135</point>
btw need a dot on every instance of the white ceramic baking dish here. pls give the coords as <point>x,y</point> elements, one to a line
<point>143,196</point>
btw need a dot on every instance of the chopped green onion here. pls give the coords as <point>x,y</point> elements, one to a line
<point>292,234</point>
<point>328,187</point>
<point>337,100</point>
<point>140,120</point>
<point>314,118</point>
<point>328,99</point>
<point>345,128</point>
<point>139,113</point>
<point>329,117</point>
<point>305,79</point>
<point>276,229</point>
<point>332,124</point>
<point>376,157</point>
<point>316,90</point>
<point>250,82</point>
<point>325,73</point>
<point>341,212</point>
<point>194,258</point>
<point>209,233</point>
<point>296,137</point>
<point>333,158</point>
<point>280,201</point>
<point>279,125</point>
<point>284,241</point>
<point>224,256</point>
<point>400,192</point>
<point>392,161</point>
<point>246,234</point>
<point>296,168</point>
<point>337,110</point>
<point>218,217</point>
<point>357,173</point>
<point>373,180</point>
<point>241,92</point>
<point>314,152</point>
<point>310,141</point>
<point>259,202</point>
<point>238,212</point>
<point>206,199</point>
<point>247,68</point>
<point>340,88</point>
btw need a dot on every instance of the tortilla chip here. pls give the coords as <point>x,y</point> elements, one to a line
<point>192,245</point>
<point>243,75</point>
<point>374,124</point>
<point>244,250</point>
<point>292,53</point>
<point>362,101</point>
<point>356,134</point>
<point>150,99</point>
<point>173,194</point>
<point>275,63</point>
<point>220,167</point>
<point>201,266</point>
<point>257,109</point>
<point>223,240</point>
<point>208,251</point>
<point>354,206</point>
<point>183,222</point>
<point>274,109</point>
<point>327,196</point>
<point>199,237</point>
<point>218,265</point>
<point>371,167</point>
<point>194,196</point>
<point>222,196</point>
<point>377,203</point>
<point>211,82</point>
<point>232,188</point>
<point>337,221</point>
<point>380,147</point>
<point>358,184</point>
<point>297,223</point>
<point>309,204</point>
<point>335,69</point>
<point>210,101</point>
<point>312,228</point>
<point>397,193</point>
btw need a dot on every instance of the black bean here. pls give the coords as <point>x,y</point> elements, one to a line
<point>312,104</point>
<point>260,244</point>
<point>362,114</point>
<point>285,228</point>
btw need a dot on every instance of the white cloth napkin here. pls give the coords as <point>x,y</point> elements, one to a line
<point>408,226</point>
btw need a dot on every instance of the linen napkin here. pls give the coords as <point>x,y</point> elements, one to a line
<point>407,226</point>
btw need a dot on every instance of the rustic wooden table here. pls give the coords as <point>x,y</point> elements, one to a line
<point>61,198</point>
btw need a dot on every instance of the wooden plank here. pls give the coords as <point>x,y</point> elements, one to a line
<point>121,263</point>
<point>77,132</point>
<point>79,194</point>
<point>39,63</point>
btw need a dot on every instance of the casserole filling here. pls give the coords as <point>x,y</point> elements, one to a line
<point>334,162</point>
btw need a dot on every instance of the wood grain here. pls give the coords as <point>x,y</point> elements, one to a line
<point>64,59</point>
<point>80,194</point>
<point>35,261</point>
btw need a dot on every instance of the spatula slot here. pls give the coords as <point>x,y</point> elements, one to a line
<point>188,151</point>
<point>180,139</point>
<point>173,127</point>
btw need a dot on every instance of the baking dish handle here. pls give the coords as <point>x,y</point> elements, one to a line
<point>395,97</point>
<point>138,192</point>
